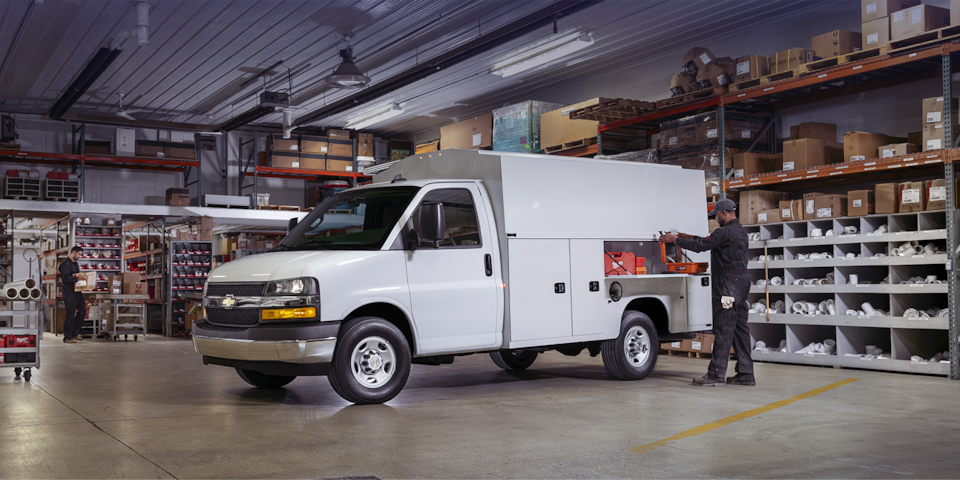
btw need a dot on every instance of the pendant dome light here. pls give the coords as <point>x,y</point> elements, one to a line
<point>347,74</point>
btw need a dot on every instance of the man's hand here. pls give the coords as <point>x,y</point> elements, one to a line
<point>668,238</point>
<point>726,302</point>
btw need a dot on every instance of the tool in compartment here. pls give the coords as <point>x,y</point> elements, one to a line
<point>680,267</point>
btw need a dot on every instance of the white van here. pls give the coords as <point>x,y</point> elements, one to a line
<point>459,252</point>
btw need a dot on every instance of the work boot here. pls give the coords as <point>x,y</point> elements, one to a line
<point>708,381</point>
<point>69,340</point>
<point>78,338</point>
<point>742,379</point>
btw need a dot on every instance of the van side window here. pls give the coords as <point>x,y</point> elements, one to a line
<point>460,213</point>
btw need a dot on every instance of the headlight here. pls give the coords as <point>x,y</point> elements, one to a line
<point>293,286</point>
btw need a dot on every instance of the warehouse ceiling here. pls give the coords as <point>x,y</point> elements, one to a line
<point>203,53</point>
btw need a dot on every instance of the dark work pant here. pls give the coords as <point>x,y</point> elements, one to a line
<point>76,311</point>
<point>730,328</point>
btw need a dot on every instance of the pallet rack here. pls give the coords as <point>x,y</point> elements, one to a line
<point>925,61</point>
<point>250,167</point>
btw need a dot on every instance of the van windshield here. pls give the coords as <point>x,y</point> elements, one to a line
<point>350,220</point>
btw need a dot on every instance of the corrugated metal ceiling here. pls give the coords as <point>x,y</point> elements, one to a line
<point>201,51</point>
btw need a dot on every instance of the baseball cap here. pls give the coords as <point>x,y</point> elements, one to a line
<point>726,205</point>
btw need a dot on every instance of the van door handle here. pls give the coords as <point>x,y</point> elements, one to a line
<point>488,263</point>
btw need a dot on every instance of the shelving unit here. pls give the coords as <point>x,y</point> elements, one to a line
<point>925,61</point>
<point>902,337</point>
<point>6,246</point>
<point>189,267</point>
<point>26,357</point>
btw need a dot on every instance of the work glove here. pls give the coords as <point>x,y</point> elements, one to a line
<point>726,302</point>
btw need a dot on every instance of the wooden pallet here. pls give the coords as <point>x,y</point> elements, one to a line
<point>689,97</point>
<point>764,80</point>
<point>21,197</point>
<point>578,143</point>
<point>291,208</point>
<point>842,59</point>
<point>925,39</point>
<point>609,110</point>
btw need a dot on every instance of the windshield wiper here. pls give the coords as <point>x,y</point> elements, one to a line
<point>281,248</point>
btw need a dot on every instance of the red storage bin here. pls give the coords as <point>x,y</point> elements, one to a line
<point>619,263</point>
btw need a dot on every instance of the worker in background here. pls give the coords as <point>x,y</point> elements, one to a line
<point>731,284</point>
<point>72,300</point>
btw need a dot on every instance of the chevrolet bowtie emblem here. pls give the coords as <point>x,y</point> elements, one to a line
<point>229,301</point>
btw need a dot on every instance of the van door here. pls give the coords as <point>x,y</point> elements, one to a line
<point>453,287</point>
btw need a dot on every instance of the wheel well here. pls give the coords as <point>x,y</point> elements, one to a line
<point>654,309</point>
<point>389,313</point>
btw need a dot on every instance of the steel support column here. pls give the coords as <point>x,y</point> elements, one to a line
<point>721,134</point>
<point>950,212</point>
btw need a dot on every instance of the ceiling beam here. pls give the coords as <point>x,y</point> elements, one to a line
<point>543,17</point>
<point>120,121</point>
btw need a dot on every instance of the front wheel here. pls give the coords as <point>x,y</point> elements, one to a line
<point>371,362</point>
<point>516,359</point>
<point>262,380</point>
<point>633,354</point>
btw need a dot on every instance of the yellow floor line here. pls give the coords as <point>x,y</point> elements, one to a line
<point>740,416</point>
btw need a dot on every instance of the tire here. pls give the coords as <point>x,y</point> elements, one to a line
<point>262,380</point>
<point>371,362</point>
<point>633,354</point>
<point>517,359</point>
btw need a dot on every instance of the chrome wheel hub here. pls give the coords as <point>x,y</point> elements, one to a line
<point>636,346</point>
<point>373,362</point>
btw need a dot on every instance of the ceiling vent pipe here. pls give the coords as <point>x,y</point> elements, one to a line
<point>288,122</point>
<point>141,32</point>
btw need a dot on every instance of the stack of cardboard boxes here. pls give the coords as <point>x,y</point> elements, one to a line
<point>159,149</point>
<point>933,135</point>
<point>875,20</point>
<point>333,152</point>
<point>886,21</point>
<point>811,145</point>
<point>472,133</point>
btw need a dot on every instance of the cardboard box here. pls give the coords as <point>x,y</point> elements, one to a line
<point>746,164</point>
<point>886,198</point>
<point>149,148</point>
<point>830,206</point>
<point>860,203</point>
<point>859,146</point>
<point>477,132</point>
<point>95,147</point>
<point>751,67</point>
<point>933,137</point>
<point>340,148</point>
<point>754,201</point>
<point>682,83</point>
<point>809,152</point>
<point>696,58</point>
<point>897,150</point>
<point>791,210</point>
<point>933,110</point>
<point>277,143</point>
<point>712,75</point>
<point>178,197</point>
<point>313,161</point>
<point>769,216</point>
<point>133,284</point>
<point>874,9</point>
<point>115,284</point>
<point>109,222</point>
<point>181,150</point>
<point>837,42</point>
<point>339,164</point>
<point>280,159</point>
<point>875,33</point>
<point>86,281</point>
<point>912,196</point>
<point>916,138</point>
<point>815,130</point>
<point>364,144</point>
<point>313,144</point>
<point>335,134</point>
<point>790,59</point>
<point>936,194</point>
<point>913,21</point>
<point>809,210</point>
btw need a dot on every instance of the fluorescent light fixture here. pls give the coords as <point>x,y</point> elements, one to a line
<point>360,123</point>
<point>544,55</point>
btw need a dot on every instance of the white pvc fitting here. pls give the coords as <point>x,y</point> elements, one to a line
<point>867,308</point>
<point>798,307</point>
<point>852,279</point>
<point>776,281</point>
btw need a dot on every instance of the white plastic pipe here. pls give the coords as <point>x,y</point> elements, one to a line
<point>27,282</point>
<point>35,293</point>
<point>143,24</point>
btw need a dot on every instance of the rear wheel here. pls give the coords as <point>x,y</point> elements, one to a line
<point>633,354</point>
<point>262,380</point>
<point>371,362</point>
<point>517,359</point>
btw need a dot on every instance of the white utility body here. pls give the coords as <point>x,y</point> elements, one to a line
<point>457,252</point>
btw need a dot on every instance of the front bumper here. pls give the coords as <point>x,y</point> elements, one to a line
<point>291,343</point>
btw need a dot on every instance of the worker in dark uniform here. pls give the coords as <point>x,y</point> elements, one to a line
<point>73,301</point>
<point>731,284</point>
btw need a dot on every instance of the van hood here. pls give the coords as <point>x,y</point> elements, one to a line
<point>269,266</point>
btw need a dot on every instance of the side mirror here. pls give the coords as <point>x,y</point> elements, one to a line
<point>433,224</point>
<point>292,223</point>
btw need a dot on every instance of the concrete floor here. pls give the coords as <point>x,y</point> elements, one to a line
<point>150,409</point>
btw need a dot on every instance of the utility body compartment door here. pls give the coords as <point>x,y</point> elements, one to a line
<point>539,283</point>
